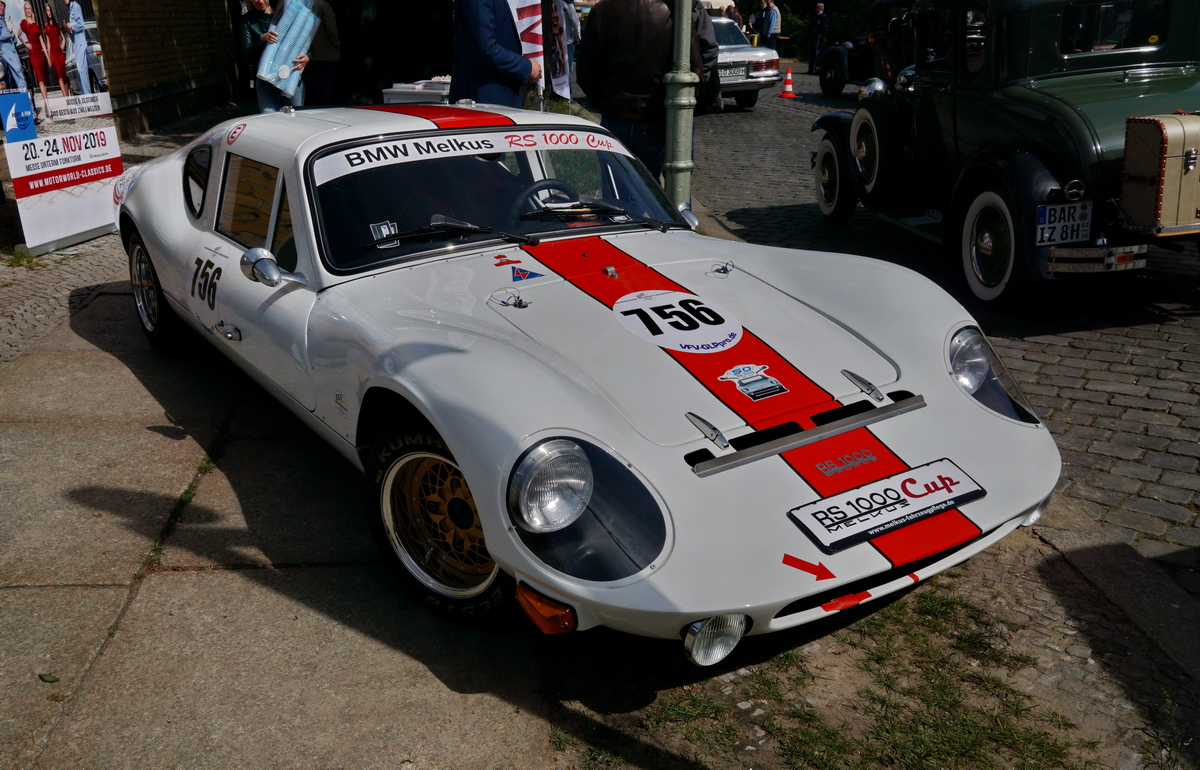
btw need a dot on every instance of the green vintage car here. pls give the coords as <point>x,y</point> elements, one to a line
<point>1006,139</point>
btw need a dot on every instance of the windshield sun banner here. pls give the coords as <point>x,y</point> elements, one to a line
<point>392,151</point>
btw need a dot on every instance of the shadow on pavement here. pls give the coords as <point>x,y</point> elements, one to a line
<point>298,509</point>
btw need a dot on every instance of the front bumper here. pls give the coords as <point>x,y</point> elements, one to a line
<point>668,621</point>
<point>754,83</point>
<point>1103,259</point>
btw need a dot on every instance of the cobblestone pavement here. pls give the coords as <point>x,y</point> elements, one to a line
<point>1111,362</point>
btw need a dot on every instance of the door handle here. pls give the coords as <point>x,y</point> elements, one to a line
<point>230,333</point>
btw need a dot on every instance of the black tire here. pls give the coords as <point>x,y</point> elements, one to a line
<point>95,82</point>
<point>159,322</point>
<point>832,82</point>
<point>993,246</point>
<point>746,99</point>
<point>835,189</point>
<point>436,547</point>
<point>876,150</point>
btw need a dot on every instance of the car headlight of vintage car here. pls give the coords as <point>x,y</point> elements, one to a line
<point>981,374</point>
<point>584,513</point>
<point>551,486</point>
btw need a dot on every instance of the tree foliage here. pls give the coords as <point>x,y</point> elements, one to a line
<point>847,20</point>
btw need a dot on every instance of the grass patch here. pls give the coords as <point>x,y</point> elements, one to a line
<point>1166,743</point>
<point>559,740</point>
<point>21,259</point>
<point>683,710</point>
<point>598,759</point>
<point>151,562</point>
<point>930,705</point>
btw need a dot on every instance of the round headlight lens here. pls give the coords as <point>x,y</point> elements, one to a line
<point>981,374</point>
<point>969,360</point>
<point>709,641</point>
<point>551,486</point>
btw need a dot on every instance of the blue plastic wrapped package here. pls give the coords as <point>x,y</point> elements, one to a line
<point>296,27</point>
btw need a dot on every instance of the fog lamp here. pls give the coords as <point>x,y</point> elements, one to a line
<point>708,641</point>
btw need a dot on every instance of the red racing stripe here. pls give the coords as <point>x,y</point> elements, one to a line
<point>583,262</point>
<point>445,117</point>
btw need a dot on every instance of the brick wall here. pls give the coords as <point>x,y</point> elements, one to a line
<point>165,58</point>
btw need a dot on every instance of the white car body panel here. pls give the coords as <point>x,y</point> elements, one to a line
<point>495,380</point>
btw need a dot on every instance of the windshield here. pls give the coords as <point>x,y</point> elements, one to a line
<point>729,34</point>
<point>1110,26</point>
<point>446,190</point>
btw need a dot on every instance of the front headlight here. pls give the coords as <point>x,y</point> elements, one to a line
<point>979,372</point>
<point>583,512</point>
<point>551,486</point>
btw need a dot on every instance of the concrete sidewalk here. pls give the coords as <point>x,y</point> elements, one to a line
<point>265,633</point>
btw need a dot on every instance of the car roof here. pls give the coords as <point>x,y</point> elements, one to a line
<point>281,135</point>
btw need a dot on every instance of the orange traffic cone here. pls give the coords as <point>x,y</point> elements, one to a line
<point>788,93</point>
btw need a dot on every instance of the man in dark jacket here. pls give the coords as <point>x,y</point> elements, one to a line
<point>489,66</point>
<point>625,52</point>
<point>818,28</point>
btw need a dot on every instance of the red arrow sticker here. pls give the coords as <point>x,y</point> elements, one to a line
<point>818,570</point>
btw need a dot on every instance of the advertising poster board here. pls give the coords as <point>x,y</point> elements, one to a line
<point>62,176</point>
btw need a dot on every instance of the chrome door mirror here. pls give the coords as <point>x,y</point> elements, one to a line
<point>690,217</point>
<point>259,265</point>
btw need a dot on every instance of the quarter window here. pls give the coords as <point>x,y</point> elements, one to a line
<point>1111,26</point>
<point>283,245</point>
<point>246,204</point>
<point>195,178</point>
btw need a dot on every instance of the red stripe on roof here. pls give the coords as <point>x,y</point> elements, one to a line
<point>445,117</point>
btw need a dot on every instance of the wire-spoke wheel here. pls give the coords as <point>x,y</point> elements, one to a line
<point>428,528</point>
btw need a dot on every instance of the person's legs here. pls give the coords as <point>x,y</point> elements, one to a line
<point>647,141</point>
<point>269,97</point>
<point>81,68</point>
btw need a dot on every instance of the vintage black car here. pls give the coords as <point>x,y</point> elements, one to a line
<point>880,52</point>
<point>1006,139</point>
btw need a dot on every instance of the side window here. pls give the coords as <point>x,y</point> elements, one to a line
<point>283,245</point>
<point>195,178</point>
<point>975,41</point>
<point>936,40</point>
<point>246,202</point>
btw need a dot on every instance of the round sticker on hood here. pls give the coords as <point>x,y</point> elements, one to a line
<point>678,321</point>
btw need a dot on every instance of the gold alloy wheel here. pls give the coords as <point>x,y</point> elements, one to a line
<point>432,525</point>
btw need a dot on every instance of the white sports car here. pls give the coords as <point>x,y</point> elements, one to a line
<point>556,389</point>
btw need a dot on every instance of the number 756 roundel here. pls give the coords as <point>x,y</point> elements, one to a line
<point>678,321</point>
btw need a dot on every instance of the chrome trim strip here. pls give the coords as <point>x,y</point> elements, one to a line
<point>804,438</point>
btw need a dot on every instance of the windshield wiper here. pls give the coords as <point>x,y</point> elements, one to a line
<point>595,207</point>
<point>444,225</point>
